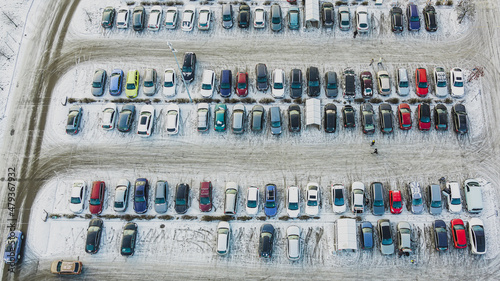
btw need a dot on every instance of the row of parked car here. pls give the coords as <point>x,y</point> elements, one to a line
<point>276,19</point>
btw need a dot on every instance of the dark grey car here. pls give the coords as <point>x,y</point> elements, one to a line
<point>296,83</point>
<point>93,236</point>
<point>266,240</point>
<point>74,120</point>
<point>276,18</point>
<point>378,206</point>
<point>367,118</point>
<point>331,84</point>
<point>227,15</point>
<point>139,18</point>
<point>275,118</point>
<point>108,17</point>
<point>182,198</point>
<point>385,118</point>
<point>261,73</point>
<point>99,82</point>
<point>189,66</point>
<point>126,118</point>
<point>161,196</point>
<point>257,122</point>
<point>313,82</point>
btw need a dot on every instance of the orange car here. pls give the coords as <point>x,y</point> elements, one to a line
<point>66,267</point>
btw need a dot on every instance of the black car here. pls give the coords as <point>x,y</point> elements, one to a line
<point>440,235</point>
<point>294,118</point>
<point>138,18</point>
<point>459,116</point>
<point>244,16</point>
<point>349,83</point>
<point>181,198</point>
<point>349,116</point>
<point>126,118</point>
<point>367,118</point>
<point>313,81</point>
<point>266,241</point>
<point>296,83</point>
<point>189,66</point>
<point>331,84</point>
<point>128,239</point>
<point>93,236</point>
<point>397,19</point>
<point>430,18</point>
<point>261,73</point>
<point>385,118</point>
<point>108,17</point>
<point>330,115</point>
<point>327,14</point>
<point>441,117</point>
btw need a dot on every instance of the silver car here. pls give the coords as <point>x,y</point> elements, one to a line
<point>238,119</point>
<point>150,82</point>
<point>203,116</point>
<point>417,204</point>
<point>344,18</point>
<point>293,239</point>
<point>385,235</point>
<point>231,199</point>
<point>99,82</point>
<point>121,196</point>
<point>161,197</point>
<point>223,236</point>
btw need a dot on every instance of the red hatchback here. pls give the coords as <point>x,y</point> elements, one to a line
<point>421,82</point>
<point>424,117</point>
<point>459,233</point>
<point>404,116</point>
<point>242,84</point>
<point>206,196</point>
<point>97,197</point>
<point>395,201</point>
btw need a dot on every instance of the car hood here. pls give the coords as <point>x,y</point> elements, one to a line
<point>295,93</point>
<point>76,208</point>
<point>160,208</point>
<point>415,25</point>
<point>332,92</point>
<point>417,209</point>
<point>387,249</point>
<point>441,91</point>
<point>270,211</point>
<point>404,91</point>
<point>169,91</point>
<point>276,130</point>
<point>140,207</point>
<point>96,91</point>
<point>181,209</point>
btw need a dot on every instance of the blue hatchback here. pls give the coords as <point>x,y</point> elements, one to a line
<point>13,247</point>
<point>270,208</point>
<point>226,82</point>
<point>141,195</point>
<point>366,235</point>
<point>115,82</point>
<point>413,18</point>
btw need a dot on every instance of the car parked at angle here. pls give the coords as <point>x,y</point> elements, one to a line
<point>270,206</point>
<point>440,235</point>
<point>331,84</point>
<point>357,197</point>
<point>441,117</point>
<point>417,203</point>
<point>171,16</point>
<point>278,84</point>
<point>132,84</point>
<point>206,196</point>
<point>261,73</point>
<point>459,116</point>
<point>223,236</point>
<point>126,117</point>
<point>66,267</point>
<point>473,196</point>
<point>150,82</point>
<point>181,198</point>
<point>413,17</point>
<point>395,201</point>
<point>453,197</point>
<point>122,18</point>
<point>404,116</point>
<point>227,15</point>
<point>170,83</point>
<point>189,66</point>
<point>13,247</point>
<point>293,201</point>
<point>330,118</point>
<point>203,113</point>
<point>435,199</point>
<point>231,198</point>
<point>220,113</point>
<point>348,116</point>
<point>385,236</point>
<point>344,18</point>
<point>129,238</point>
<point>404,238</point>
<point>139,18</point>
<point>252,206</point>
<point>141,195</point>
<point>242,84</point>
<point>312,199</point>
<point>121,195</point>
<point>295,83</point>
<point>94,232</point>
<point>161,197</point>
<point>396,19</point>
<point>440,82</point>
<point>108,17</point>
<point>188,18</point>
<point>244,16</point>
<point>421,82</point>
<point>78,194</point>
<point>403,82</point>
<point>378,201</point>
<point>459,234</point>
<point>293,17</point>
<point>259,19</point>
<point>204,18</point>
<point>294,119</point>
<point>367,118</point>
<point>97,197</point>
<point>99,82</point>
<point>146,120</point>
<point>293,242</point>
<point>477,238</point>
<point>385,118</point>
<point>338,198</point>
<point>276,18</point>
<point>115,82</point>
<point>384,83</point>
<point>275,120</point>
<point>257,122</point>
<point>313,81</point>
<point>366,80</point>
<point>366,230</point>
<point>154,20</point>
<point>349,83</point>
<point>430,18</point>
<point>226,83</point>
<point>238,119</point>
<point>457,83</point>
<point>362,19</point>
<point>266,241</point>
<point>424,117</point>
<point>173,113</point>
<point>327,14</point>
<point>109,116</point>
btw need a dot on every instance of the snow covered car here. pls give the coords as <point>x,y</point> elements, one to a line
<point>338,198</point>
<point>292,201</point>
<point>293,242</point>
<point>146,120</point>
<point>367,118</point>
<point>126,117</point>
<point>129,238</point>
<point>259,19</point>
<point>278,86</point>
<point>121,195</point>
<point>440,82</point>
<point>66,267</point>
<point>188,17</point>
<point>313,199</point>
<point>170,83</point>
<point>417,204</point>
<point>453,197</point>
<point>404,238</point>
<point>13,246</point>
<point>457,83</point>
<point>99,82</point>
<point>115,82</point>
<point>173,119</point>
<point>238,119</point>
<point>220,113</point>
<point>171,18</point>
<point>94,232</point>
<point>203,113</point>
<point>161,197</point>
<point>476,237</point>
<point>385,236</point>
<point>109,116</point>
<point>207,84</point>
<point>403,82</point>
<point>150,82</point>
<point>155,18</point>
<point>252,206</point>
<point>362,19</point>
<point>358,197</point>
<point>204,18</point>
<point>122,18</point>
<point>223,235</point>
<point>230,198</point>
<point>78,194</point>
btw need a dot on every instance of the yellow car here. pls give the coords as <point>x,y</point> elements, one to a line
<point>132,86</point>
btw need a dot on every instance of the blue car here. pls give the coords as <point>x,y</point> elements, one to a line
<point>115,82</point>
<point>13,247</point>
<point>270,208</point>
<point>226,83</point>
<point>413,17</point>
<point>366,235</point>
<point>293,18</point>
<point>141,195</point>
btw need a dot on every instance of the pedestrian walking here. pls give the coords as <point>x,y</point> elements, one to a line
<point>355,33</point>
<point>372,62</point>
<point>375,151</point>
<point>373,143</point>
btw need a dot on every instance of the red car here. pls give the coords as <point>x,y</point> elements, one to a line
<point>206,196</point>
<point>242,84</point>
<point>424,117</point>
<point>421,81</point>
<point>404,116</point>
<point>395,201</point>
<point>97,197</point>
<point>459,233</point>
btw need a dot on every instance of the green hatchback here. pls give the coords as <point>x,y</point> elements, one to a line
<point>220,117</point>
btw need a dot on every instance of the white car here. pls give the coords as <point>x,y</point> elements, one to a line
<point>362,19</point>
<point>357,197</point>
<point>155,18</point>
<point>173,119</point>
<point>207,83</point>
<point>252,206</point>
<point>223,233</point>
<point>171,18</point>
<point>477,237</point>
<point>454,199</point>
<point>473,196</point>
<point>231,198</point>
<point>121,195</point>
<point>203,117</point>
<point>170,83</point>
<point>293,239</point>
<point>292,201</point>
<point>344,18</point>
<point>278,86</point>
<point>188,17</point>
<point>78,193</point>
<point>338,198</point>
<point>122,18</point>
<point>204,18</point>
<point>259,19</point>
<point>441,82</point>
<point>109,116</point>
<point>457,83</point>
<point>312,204</point>
<point>384,83</point>
<point>146,120</point>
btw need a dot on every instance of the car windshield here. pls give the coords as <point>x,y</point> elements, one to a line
<point>187,69</point>
<point>95,201</point>
<point>262,79</point>
<point>339,201</point>
<point>404,231</point>
<point>180,201</point>
<point>455,201</point>
<point>275,124</point>
<point>458,227</point>
<point>242,85</point>
<point>436,204</point>
<point>251,204</point>
<point>231,191</point>
<point>417,202</point>
<point>278,85</point>
<point>223,230</point>
<point>206,87</point>
<point>414,18</point>
<point>276,20</point>
<point>96,84</point>
<point>126,250</point>
<point>440,230</point>
<point>172,112</point>
<point>403,84</point>
<point>204,200</point>
<point>225,85</point>
<point>478,230</point>
<point>378,203</point>
<point>313,83</point>
<point>270,204</point>
<point>396,204</point>
<point>144,120</point>
<point>331,86</point>
<point>140,199</point>
<point>75,200</point>
<point>441,84</point>
<point>90,248</point>
<point>345,22</point>
<point>168,84</point>
<point>11,245</point>
<point>293,206</point>
<point>459,84</point>
<point>130,86</point>
<point>363,25</point>
<point>312,202</point>
<point>148,84</point>
<point>387,241</point>
<point>226,17</point>
<point>160,201</point>
<point>422,84</point>
<point>425,119</point>
<point>119,205</point>
<point>367,230</point>
<point>296,86</point>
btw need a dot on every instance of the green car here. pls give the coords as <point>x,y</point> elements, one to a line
<point>220,117</point>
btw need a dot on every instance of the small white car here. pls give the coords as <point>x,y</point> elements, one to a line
<point>78,193</point>
<point>188,17</point>
<point>173,119</point>
<point>338,198</point>
<point>293,201</point>
<point>457,83</point>
<point>208,83</point>
<point>170,83</point>
<point>441,82</point>
<point>121,195</point>
<point>259,19</point>
<point>293,241</point>
<point>454,199</point>
<point>109,116</point>
<point>204,18</point>
<point>403,84</point>
<point>252,206</point>
<point>357,197</point>
<point>155,18</point>
<point>473,196</point>
<point>384,83</point>
<point>231,198</point>
<point>362,19</point>
<point>477,239</point>
<point>278,86</point>
<point>122,18</point>
<point>146,120</point>
<point>203,113</point>
<point>313,199</point>
<point>223,233</point>
<point>171,18</point>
